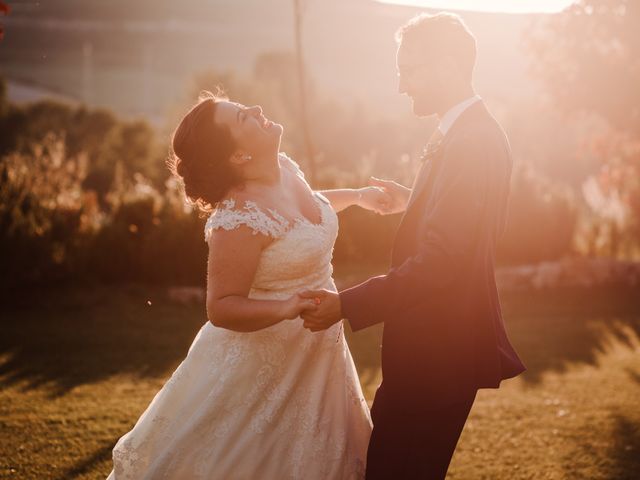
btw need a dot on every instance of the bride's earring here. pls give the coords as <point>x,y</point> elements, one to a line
<point>240,158</point>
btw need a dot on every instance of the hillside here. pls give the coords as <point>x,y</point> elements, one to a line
<point>136,57</point>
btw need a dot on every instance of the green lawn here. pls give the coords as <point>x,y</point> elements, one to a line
<point>78,366</point>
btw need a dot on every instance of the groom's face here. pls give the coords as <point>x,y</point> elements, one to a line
<point>418,79</point>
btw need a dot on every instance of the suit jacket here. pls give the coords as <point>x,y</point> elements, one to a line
<point>443,328</point>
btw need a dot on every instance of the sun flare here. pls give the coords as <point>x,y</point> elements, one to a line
<point>504,6</point>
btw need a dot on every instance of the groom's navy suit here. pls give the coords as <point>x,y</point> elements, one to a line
<point>444,337</point>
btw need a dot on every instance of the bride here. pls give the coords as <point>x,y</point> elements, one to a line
<point>258,396</point>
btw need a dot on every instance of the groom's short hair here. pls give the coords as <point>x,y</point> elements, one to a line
<point>441,34</point>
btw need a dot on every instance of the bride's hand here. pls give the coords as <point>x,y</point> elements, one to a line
<point>295,305</point>
<point>375,199</point>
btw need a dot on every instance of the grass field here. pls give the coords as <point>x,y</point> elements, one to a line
<point>78,366</point>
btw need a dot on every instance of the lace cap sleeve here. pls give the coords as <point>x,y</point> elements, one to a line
<point>228,217</point>
<point>291,164</point>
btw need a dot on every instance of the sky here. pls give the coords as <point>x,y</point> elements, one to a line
<point>508,6</point>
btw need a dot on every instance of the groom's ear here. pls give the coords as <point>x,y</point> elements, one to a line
<point>449,68</point>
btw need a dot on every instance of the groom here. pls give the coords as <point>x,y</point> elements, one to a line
<point>444,336</point>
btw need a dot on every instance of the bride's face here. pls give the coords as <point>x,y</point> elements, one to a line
<point>251,130</point>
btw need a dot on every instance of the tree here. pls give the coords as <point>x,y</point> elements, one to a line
<point>588,58</point>
<point>302,85</point>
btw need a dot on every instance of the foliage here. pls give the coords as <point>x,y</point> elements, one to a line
<point>613,198</point>
<point>43,215</point>
<point>588,58</point>
<point>86,196</point>
<point>541,221</point>
<point>55,229</point>
<point>105,140</point>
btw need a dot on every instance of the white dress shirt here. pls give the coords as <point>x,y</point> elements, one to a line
<point>449,118</point>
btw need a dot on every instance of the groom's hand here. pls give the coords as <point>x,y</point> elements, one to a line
<point>328,309</point>
<point>399,194</point>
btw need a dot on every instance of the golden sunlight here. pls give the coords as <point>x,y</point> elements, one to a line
<point>504,6</point>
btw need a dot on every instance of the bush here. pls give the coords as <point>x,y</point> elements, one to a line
<point>43,215</point>
<point>86,196</point>
<point>149,238</point>
<point>541,220</point>
<point>54,229</point>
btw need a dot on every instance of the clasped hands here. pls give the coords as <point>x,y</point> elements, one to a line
<point>383,196</point>
<point>327,309</point>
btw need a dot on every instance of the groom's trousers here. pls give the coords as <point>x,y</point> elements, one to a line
<point>413,440</point>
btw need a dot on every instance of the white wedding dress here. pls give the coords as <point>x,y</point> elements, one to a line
<point>279,403</point>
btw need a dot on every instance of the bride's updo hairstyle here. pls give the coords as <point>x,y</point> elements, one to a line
<point>200,154</point>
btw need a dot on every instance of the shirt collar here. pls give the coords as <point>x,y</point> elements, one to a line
<point>449,118</point>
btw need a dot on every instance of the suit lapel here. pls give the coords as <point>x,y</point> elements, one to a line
<point>424,174</point>
<point>424,179</point>
<point>419,186</point>
<point>421,181</point>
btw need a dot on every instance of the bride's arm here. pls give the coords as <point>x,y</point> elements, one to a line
<point>375,198</point>
<point>231,267</point>
<point>342,198</point>
<point>369,198</point>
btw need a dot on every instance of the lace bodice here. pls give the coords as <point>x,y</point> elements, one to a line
<point>299,256</point>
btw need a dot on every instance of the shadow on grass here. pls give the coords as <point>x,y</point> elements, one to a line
<point>634,375</point>
<point>625,452</point>
<point>550,330</point>
<point>554,330</point>
<point>89,464</point>
<point>68,337</point>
